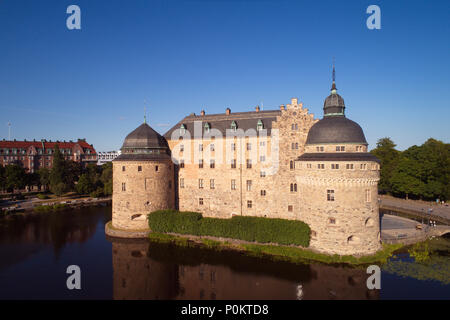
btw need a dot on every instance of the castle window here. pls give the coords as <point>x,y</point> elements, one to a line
<point>249,146</point>
<point>233,184</point>
<point>293,187</point>
<point>340,148</point>
<point>263,193</point>
<point>181,182</point>
<point>211,146</point>
<point>233,146</point>
<point>123,168</point>
<point>233,163</point>
<point>200,164</point>
<point>262,158</point>
<point>182,163</point>
<point>139,168</point>
<point>332,221</point>
<point>200,201</point>
<point>200,183</point>
<point>181,147</point>
<point>308,165</point>
<point>362,166</point>
<point>123,186</point>
<point>262,144</point>
<point>334,166</point>
<point>330,195</point>
<point>367,195</point>
<point>212,164</point>
<point>234,126</point>
<point>262,174</point>
<point>349,166</point>
<point>249,163</point>
<point>156,168</point>
<point>200,147</point>
<point>291,165</point>
<point>290,208</point>
<point>249,185</point>
<point>182,129</point>
<point>249,204</point>
<point>260,125</point>
<point>207,127</point>
<point>211,183</point>
<point>320,149</point>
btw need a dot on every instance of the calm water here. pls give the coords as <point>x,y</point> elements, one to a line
<point>36,249</point>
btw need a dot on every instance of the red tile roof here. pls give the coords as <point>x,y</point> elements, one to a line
<point>48,145</point>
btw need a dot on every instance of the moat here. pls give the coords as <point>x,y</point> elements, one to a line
<point>36,249</point>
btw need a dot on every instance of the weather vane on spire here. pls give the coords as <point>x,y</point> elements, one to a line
<point>333,86</point>
<point>145,111</point>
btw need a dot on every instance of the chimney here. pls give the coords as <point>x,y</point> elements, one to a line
<point>228,111</point>
<point>257,109</point>
<point>202,113</point>
<point>294,101</point>
<point>282,107</point>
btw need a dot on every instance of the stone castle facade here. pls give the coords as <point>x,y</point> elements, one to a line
<point>276,164</point>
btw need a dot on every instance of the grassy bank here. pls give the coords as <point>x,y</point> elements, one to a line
<point>55,207</point>
<point>278,252</point>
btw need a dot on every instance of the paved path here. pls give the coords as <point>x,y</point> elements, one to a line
<point>398,229</point>
<point>422,207</point>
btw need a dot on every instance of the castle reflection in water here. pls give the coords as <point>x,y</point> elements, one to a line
<point>142,270</point>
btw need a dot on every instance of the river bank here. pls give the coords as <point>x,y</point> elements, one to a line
<point>275,252</point>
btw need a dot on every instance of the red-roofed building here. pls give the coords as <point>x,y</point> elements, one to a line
<point>33,155</point>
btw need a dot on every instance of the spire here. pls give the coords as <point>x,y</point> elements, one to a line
<point>145,111</point>
<point>333,86</point>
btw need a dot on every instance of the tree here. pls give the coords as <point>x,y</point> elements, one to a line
<point>2,178</point>
<point>85,185</point>
<point>389,157</point>
<point>58,177</point>
<point>15,177</point>
<point>106,178</point>
<point>44,177</point>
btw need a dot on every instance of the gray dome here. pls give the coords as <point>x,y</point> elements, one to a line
<point>144,137</point>
<point>144,143</point>
<point>335,129</point>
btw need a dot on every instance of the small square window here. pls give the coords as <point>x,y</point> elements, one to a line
<point>200,201</point>
<point>249,204</point>
<point>139,168</point>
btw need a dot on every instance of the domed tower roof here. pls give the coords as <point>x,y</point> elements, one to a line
<point>144,143</point>
<point>335,127</point>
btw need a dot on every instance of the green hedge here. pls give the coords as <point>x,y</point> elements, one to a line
<point>50,208</point>
<point>263,230</point>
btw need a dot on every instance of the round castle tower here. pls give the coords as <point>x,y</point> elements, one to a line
<point>143,179</point>
<point>338,182</point>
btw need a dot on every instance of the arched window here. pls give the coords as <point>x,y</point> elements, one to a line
<point>234,126</point>
<point>260,125</point>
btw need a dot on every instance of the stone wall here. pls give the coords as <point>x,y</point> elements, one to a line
<point>350,223</point>
<point>147,190</point>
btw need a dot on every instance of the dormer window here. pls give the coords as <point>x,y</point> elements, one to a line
<point>234,126</point>
<point>207,127</point>
<point>182,129</point>
<point>260,125</point>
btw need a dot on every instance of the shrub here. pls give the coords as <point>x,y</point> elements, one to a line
<point>96,193</point>
<point>263,230</point>
<point>42,196</point>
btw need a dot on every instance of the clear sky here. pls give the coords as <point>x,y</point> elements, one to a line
<point>183,56</point>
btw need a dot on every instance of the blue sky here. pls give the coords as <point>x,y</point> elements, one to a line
<point>183,56</point>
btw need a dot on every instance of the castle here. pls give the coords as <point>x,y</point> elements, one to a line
<point>272,163</point>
